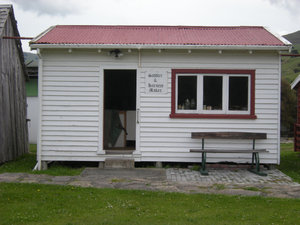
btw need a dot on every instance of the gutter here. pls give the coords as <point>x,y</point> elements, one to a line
<point>139,46</point>
<point>293,55</point>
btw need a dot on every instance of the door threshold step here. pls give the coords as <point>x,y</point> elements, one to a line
<point>119,152</point>
<point>119,163</point>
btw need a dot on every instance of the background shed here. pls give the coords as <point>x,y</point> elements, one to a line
<point>296,85</point>
<point>13,126</point>
<point>31,62</point>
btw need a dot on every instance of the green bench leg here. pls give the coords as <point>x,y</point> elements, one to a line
<point>256,170</point>
<point>203,169</point>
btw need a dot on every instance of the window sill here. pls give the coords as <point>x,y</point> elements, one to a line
<point>212,116</point>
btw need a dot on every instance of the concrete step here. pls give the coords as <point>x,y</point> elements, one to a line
<point>119,163</point>
<point>118,152</point>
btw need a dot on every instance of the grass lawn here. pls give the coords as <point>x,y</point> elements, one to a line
<point>290,161</point>
<point>26,163</point>
<point>51,204</point>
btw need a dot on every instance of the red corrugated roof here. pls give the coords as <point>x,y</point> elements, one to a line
<point>159,35</point>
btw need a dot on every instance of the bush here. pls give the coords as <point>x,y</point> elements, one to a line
<point>288,109</point>
<point>297,70</point>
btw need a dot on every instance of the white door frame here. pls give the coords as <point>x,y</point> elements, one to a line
<point>101,150</point>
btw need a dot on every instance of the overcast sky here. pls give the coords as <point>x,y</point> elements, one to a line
<point>35,16</point>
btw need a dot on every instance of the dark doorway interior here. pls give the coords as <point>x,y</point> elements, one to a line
<point>119,109</point>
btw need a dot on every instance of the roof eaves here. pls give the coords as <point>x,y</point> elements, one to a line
<point>41,35</point>
<point>282,39</point>
<point>161,46</point>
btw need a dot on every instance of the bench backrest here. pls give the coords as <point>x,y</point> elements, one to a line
<point>228,135</point>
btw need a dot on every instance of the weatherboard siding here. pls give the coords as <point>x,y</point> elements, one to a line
<point>70,109</point>
<point>72,106</point>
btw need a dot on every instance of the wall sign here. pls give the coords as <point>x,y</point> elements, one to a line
<point>156,81</point>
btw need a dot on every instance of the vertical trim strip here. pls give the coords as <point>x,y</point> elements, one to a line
<point>40,95</point>
<point>279,109</point>
<point>173,92</point>
<point>101,106</point>
<point>252,98</point>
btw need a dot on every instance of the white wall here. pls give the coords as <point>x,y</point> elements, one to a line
<point>72,105</point>
<point>33,115</point>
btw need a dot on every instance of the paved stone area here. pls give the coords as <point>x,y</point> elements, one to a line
<point>231,182</point>
<point>222,176</point>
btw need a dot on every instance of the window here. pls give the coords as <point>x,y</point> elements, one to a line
<point>238,93</point>
<point>213,94</point>
<point>187,93</point>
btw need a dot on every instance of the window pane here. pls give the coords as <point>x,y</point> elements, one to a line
<point>238,93</point>
<point>187,92</point>
<point>212,92</point>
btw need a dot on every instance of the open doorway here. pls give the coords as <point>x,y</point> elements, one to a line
<point>119,109</point>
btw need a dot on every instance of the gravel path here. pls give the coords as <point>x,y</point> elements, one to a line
<point>231,182</point>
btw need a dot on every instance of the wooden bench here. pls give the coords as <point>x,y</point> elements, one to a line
<point>230,135</point>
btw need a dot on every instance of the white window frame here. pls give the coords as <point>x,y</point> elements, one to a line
<point>225,95</point>
<point>186,111</point>
<point>249,93</point>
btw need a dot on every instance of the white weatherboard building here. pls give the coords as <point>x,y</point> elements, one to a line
<point>137,92</point>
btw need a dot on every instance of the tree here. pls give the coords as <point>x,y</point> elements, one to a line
<point>288,109</point>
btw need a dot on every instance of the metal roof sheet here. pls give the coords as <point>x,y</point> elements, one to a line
<point>158,35</point>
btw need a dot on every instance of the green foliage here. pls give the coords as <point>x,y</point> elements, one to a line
<point>51,204</point>
<point>290,69</point>
<point>195,167</point>
<point>219,186</point>
<point>290,161</point>
<point>26,163</point>
<point>288,109</point>
<point>290,65</point>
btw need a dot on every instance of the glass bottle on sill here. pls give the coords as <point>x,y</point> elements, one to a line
<point>187,104</point>
<point>193,104</point>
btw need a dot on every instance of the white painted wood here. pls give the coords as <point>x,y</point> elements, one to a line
<point>279,111</point>
<point>33,115</point>
<point>295,82</point>
<point>131,125</point>
<point>114,66</point>
<point>139,78</point>
<point>72,105</point>
<point>40,126</point>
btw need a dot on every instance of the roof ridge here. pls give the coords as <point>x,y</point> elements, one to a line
<point>159,26</point>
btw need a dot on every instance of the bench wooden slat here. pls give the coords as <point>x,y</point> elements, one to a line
<point>228,135</point>
<point>228,150</point>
